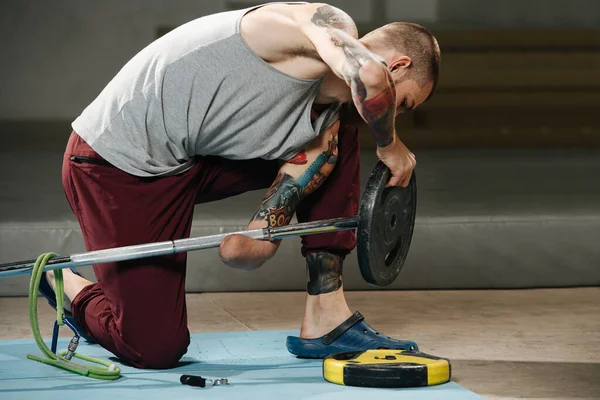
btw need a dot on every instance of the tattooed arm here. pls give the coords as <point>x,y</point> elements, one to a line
<point>296,179</point>
<point>334,35</point>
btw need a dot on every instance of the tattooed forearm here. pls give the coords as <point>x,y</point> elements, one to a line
<point>378,111</point>
<point>280,202</point>
<point>282,198</point>
<point>324,272</point>
<point>376,105</point>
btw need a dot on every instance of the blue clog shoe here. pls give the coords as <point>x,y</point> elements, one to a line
<point>354,334</point>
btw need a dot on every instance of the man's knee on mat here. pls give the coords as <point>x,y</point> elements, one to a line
<point>159,354</point>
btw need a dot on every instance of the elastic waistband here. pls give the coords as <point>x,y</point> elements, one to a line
<point>76,146</point>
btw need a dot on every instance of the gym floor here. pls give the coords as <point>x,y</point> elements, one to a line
<point>532,344</point>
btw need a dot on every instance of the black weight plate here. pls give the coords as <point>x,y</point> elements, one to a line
<point>386,221</point>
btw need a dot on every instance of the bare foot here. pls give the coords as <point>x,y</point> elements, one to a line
<point>73,283</point>
<point>323,314</point>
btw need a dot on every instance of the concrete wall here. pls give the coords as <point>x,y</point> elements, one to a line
<point>56,59</point>
<point>56,56</point>
<point>519,14</point>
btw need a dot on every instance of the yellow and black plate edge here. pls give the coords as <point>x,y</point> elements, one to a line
<point>386,369</point>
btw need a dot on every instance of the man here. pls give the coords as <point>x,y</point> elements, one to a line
<point>225,104</point>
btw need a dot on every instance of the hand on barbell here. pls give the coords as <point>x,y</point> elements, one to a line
<point>399,160</point>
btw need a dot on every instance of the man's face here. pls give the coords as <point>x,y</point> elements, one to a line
<point>409,95</point>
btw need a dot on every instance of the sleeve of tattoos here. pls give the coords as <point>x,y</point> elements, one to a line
<point>334,36</point>
<point>297,178</point>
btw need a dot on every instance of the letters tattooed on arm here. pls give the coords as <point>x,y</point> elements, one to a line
<point>376,106</point>
<point>280,202</point>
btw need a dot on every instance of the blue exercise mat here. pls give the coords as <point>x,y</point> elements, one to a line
<point>256,363</point>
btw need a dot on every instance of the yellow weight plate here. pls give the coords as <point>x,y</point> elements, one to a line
<point>386,369</point>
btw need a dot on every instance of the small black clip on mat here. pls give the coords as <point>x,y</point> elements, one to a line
<point>386,369</point>
<point>198,381</point>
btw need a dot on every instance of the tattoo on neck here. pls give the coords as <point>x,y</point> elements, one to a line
<point>380,108</point>
<point>324,273</point>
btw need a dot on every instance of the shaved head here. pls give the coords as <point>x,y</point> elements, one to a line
<point>414,41</point>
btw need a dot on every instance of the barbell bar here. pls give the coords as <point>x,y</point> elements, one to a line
<point>178,246</point>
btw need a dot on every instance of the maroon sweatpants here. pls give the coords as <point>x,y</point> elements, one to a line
<point>137,310</point>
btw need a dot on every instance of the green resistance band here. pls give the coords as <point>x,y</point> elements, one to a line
<point>63,360</point>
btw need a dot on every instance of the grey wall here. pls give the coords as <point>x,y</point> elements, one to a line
<point>519,14</point>
<point>56,59</point>
<point>56,56</point>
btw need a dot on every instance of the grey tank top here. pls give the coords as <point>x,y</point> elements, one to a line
<point>200,90</point>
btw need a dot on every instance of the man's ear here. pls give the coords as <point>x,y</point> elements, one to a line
<point>400,62</point>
